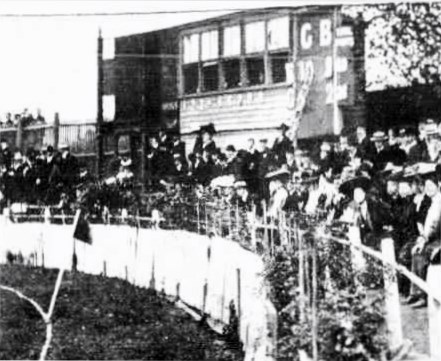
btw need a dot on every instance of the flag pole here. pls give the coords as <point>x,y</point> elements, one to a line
<point>74,253</point>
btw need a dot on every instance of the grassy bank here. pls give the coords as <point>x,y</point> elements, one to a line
<point>99,318</point>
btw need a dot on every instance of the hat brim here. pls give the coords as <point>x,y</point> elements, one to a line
<point>350,185</point>
<point>278,174</point>
<point>379,139</point>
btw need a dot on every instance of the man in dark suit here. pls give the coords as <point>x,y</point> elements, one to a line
<point>165,143</point>
<point>413,148</point>
<point>178,146</point>
<point>267,163</point>
<point>281,144</point>
<point>208,143</point>
<point>396,155</point>
<point>5,155</point>
<point>69,170</point>
<point>365,148</point>
<point>380,155</point>
<point>372,213</point>
<point>158,161</point>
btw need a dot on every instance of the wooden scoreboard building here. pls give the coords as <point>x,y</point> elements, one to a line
<point>245,72</point>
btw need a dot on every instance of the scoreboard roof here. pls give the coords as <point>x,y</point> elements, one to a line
<point>317,9</point>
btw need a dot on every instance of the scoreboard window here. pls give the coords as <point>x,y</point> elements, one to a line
<point>255,37</point>
<point>210,76</point>
<point>255,71</point>
<point>231,41</point>
<point>191,78</point>
<point>278,33</point>
<point>231,70</point>
<point>278,66</point>
<point>191,48</point>
<point>210,45</point>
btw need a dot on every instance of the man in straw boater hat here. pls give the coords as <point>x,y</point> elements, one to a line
<point>433,142</point>
<point>380,156</point>
<point>428,244</point>
<point>281,144</point>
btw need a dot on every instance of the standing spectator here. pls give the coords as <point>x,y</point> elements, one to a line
<point>381,154</point>
<point>232,161</point>
<point>252,166</point>
<point>156,161</point>
<point>27,118</point>
<point>178,146</point>
<point>433,143</point>
<point>427,246</point>
<point>165,143</point>
<point>5,155</point>
<point>281,144</point>
<point>9,123</point>
<point>208,143</point>
<point>278,191</point>
<point>266,164</point>
<point>396,155</point>
<point>326,158</point>
<point>412,147</point>
<point>39,119</point>
<point>365,148</point>
<point>69,170</point>
<point>290,164</point>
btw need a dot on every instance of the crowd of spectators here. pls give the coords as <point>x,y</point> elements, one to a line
<point>25,118</point>
<point>385,182</point>
<point>37,177</point>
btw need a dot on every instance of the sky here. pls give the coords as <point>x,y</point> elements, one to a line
<point>51,62</point>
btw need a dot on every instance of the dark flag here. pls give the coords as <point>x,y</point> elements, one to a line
<point>82,229</point>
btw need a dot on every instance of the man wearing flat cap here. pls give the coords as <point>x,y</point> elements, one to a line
<point>281,144</point>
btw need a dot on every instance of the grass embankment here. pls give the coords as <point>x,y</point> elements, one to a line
<point>99,318</point>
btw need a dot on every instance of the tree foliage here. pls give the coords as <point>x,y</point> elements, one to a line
<point>406,38</point>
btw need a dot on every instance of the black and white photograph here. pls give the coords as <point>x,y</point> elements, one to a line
<point>220,180</point>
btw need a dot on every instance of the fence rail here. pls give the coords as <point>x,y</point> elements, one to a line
<point>80,137</point>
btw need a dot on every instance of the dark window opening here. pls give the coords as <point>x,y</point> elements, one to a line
<point>191,78</point>
<point>211,77</point>
<point>278,66</point>
<point>255,71</point>
<point>232,73</point>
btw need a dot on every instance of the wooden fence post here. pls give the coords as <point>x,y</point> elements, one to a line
<point>178,291</point>
<point>254,228</point>
<point>434,309</point>
<point>392,297</point>
<point>314,307</point>
<point>56,132</point>
<point>19,136</point>
<point>357,258</point>
<point>301,278</point>
<point>198,217</point>
<point>239,299</point>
